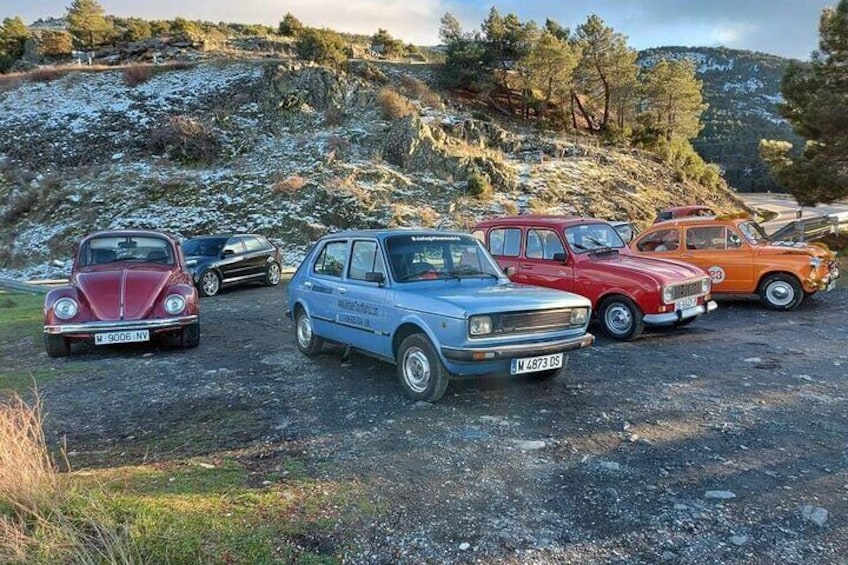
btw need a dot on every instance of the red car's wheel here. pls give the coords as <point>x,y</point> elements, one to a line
<point>57,345</point>
<point>190,336</point>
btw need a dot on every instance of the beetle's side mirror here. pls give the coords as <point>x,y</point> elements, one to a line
<point>560,257</point>
<point>375,277</point>
<point>509,271</point>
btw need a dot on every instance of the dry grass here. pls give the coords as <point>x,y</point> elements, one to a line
<point>46,74</point>
<point>289,185</point>
<point>137,74</point>
<point>394,105</point>
<point>34,525</point>
<point>8,83</point>
<point>185,139</point>
<point>510,207</point>
<point>418,89</point>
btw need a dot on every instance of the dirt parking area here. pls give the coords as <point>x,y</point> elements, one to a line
<point>724,441</point>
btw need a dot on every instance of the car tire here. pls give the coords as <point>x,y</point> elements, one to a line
<point>190,336</point>
<point>209,283</point>
<point>620,318</point>
<point>422,375</point>
<point>307,342</point>
<point>272,274</point>
<point>57,345</point>
<point>781,292</point>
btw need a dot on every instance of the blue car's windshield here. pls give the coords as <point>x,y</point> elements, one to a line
<point>203,246</point>
<point>436,256</point>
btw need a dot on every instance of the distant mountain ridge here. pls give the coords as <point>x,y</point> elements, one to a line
<point>742,89</point>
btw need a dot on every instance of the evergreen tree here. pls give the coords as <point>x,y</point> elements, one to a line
<point>13,35</point>
<point>322,46</point>
<point>55,43</point>
<point>87,21</point>
<point>817,108</point>
<point>673,104</point>
<point>550,65</point>
<point>290,26</point>
<point>383,42</point>
<point>464,54</point>
<point>606,66</point>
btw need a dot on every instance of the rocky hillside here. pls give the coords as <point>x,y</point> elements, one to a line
<point>287,150</point>
<point>742,89</point>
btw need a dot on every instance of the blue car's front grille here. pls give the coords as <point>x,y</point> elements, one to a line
<point>529,322</point>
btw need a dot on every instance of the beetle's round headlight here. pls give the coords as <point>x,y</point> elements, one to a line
<point>578,316</point>
<point>65,308</point>
<point>480,325</point>
<point>668,294</point>
<point>174,304</point>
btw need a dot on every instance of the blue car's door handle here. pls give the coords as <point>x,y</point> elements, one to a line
<point>342,290</point>
<point>307,284</point>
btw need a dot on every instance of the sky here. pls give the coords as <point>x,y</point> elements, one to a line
<point>782,27</point>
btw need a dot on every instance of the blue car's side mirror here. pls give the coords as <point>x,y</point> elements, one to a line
<point>378,278</point>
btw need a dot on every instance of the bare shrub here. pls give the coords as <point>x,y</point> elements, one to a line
<point>334,116</point>
<point>337,147</point>
<point>428,217</point>
<point>418,89</point>
<point>289,185</point>
<point>393,105</point>
<point>479,186</point>
<point>137,74</point>
<point>185,139</point>
<point>8,83</point>
<point>510,207</point>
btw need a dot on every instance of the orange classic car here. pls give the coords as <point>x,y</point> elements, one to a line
<point>741,259</point>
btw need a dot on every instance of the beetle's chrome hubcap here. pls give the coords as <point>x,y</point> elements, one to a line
<point>304,331</point>
<point>618,318</point>
<point>780,293</point>
<point>210,283</point>
<point>416,369</point>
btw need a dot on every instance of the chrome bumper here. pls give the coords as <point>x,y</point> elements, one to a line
<point>506,352</point>
<point>122,325</point>
<point>672,317</point>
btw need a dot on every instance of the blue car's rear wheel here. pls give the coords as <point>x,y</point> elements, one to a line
<point>422,374</point>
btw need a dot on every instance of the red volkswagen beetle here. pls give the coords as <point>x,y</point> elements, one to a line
<point>125,286</point>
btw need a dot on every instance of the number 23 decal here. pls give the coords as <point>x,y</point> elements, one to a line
<point>717,274</point>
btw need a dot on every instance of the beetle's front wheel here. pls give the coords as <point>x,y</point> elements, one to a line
<point>57,345</point>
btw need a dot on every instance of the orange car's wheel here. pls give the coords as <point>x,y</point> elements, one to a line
<point>781,292</point>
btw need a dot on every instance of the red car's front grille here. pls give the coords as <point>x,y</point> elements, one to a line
<point>686,289</point>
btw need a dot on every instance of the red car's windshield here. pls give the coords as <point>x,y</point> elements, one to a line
<point>111,249</point>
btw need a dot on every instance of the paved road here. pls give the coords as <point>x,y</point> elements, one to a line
<point>786,208</point>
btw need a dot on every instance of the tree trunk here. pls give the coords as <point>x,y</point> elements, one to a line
<point>590,123</point>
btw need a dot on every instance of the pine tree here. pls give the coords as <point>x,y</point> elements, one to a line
<point>87,21</point>
<point>290,26</point>
<point>673,103</point>
<point>13,35</point>
<point>816,106</point>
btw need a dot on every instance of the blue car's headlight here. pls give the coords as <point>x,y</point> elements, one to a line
<point>479,325</point>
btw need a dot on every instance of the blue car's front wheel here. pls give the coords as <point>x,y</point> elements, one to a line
<point>307,342</point>
<point>420,371</point>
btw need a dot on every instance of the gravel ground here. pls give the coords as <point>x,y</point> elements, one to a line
<point>724,441</point>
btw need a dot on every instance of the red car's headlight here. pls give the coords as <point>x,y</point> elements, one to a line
<point>65,308</point>
<point>174,304</point>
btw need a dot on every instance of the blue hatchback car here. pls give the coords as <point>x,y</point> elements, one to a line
<point>434,303</point>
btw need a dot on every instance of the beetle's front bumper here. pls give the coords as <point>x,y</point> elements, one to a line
<point>88,328</point>
<point>507,352</point>
<point>678,315</point>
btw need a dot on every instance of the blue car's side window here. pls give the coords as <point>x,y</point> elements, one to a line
<point>365,258</point>
<point>331,261</point>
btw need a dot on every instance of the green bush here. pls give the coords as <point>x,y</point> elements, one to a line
<point>479,186</point>
<point>323,46</point>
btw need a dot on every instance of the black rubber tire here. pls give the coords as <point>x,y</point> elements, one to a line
<point>190,336</point>
<point>57,345</point>
<point>614,308</point>
<point>772,287</point>
<point>209,283</point>
<point>307,342</point>
<point>416,355</point>
<point>272,274</point>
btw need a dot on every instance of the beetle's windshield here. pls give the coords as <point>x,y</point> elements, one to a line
<point>753,232</point>
<point>111,249</point>
<point>422,257</point>
<point>593,237</point>
<point>203,246</point>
